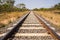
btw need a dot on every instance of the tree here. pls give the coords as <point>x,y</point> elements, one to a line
<point>35,9</point>
<point>11,2</point>
<point>57,6</point>
<point>22,5</point>
<point>6,8</point>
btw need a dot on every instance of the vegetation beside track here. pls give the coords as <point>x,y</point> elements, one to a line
<point>9,17</point>
<point>51,16</point>
<point>10,13</point>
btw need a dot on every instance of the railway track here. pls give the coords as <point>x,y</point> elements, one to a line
<point>31,27</point>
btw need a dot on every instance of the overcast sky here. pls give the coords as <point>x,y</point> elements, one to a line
<point>37,3</point>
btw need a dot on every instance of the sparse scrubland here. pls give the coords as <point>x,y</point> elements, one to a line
<point>10,13</point>
<point>9,17</point>
<point>51,16</point>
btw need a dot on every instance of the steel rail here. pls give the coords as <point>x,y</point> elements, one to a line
<point>15,27</point>
<point>48,27</point>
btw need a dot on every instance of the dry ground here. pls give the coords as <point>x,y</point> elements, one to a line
<point>6,18</point>
<point>51,16</point>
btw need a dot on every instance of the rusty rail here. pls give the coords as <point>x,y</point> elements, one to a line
<point>48,27</point>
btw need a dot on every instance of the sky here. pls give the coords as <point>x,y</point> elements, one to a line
<point>37,3</point>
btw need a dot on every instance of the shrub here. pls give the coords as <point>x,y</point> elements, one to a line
<point>2,25</point>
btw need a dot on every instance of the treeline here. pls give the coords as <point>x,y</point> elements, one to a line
<point>6,8</point>
<point>9,8</point>
<point>55,7</point>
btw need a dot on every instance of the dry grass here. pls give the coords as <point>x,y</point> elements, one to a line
<point>51,16</point>
<point>6,18</point>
